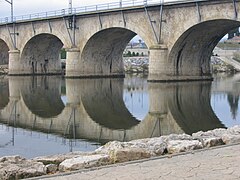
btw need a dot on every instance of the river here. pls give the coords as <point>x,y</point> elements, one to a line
<point>48,115</point>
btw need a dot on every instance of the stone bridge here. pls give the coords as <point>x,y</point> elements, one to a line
<point>95,109</point>
<point>180,38</point>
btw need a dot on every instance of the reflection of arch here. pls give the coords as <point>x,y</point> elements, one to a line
<point>190,106</point>
<point>42,96</point>
<point>102,54</point>
<point>40,55</point>
<point>174,108</point>
<point>194,47</point>
<point>103,101</point>
<point>4,93</point>
<point>4,56</point>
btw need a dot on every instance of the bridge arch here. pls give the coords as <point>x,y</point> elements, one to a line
<point>41,55</point>
<point>194,47</point>
<point>102,53</point>
<point>4,56</point>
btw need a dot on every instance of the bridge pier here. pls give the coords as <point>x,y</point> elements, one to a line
<point>14,62</point>
<point>164,69</point>
<point>73,66</point>
<point>157,63</point>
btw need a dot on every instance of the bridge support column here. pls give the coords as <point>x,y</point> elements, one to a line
<point>73,65</point>
<point>14,62</point>
<point>158,65</point>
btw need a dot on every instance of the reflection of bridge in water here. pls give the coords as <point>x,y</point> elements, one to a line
<point>95,109</point>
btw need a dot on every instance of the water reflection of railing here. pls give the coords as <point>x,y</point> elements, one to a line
<point>120,5</point>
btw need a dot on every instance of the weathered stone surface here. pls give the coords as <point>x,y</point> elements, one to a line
<point>152,146</point>
<point>235,130</point>
<point>177,137</point>
<point>230,139</point>
<point>128,154</point>
<point>51,168</point>
<point>219,136</point>
<point>3,69</point>
<point>213,133</point>
<point>16,167</point>
<point>176,146</point>
<point>84,162</point>
<point>110,146</point>
<point>212,141</point>
<point>57,159</point>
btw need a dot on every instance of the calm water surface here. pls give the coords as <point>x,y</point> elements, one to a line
<point>50,115</point>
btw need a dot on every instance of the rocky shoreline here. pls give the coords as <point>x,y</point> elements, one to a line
<point>136,64</point>
<point>219,66</point>
<point>3,69</point>
<point>16,167</point>
<point>139,64</point>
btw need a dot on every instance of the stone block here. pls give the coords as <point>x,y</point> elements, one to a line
<point>82,162</point>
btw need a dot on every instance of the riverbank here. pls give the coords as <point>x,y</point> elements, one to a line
<point>139,64</point>
<point>212,163</point>
<point>3,69</point>
<point>116,152</point>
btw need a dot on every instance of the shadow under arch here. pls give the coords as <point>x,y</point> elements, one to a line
<point>102,54</point>
<point>4,92</point>
<point>103,101</point>
<point>42,95</point>
<point>41,55</point>
<point>4,56</point>
<point>194,47</point>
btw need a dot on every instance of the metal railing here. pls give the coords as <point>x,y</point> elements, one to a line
<point>121,4</point>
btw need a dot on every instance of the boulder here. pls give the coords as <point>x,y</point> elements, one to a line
<point>86,161</point>
<point>212,133</point>
<point>57,159</point>
<point>231,139</point>
<point>128,154</point>
<point>212,141</point>
<point>235,130</point>
<point>177,146</point>
<point>155,146</point>
<point>177,137</point>
<point>16,167</point>
<point>51,168</point>
<point>152,146</point>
